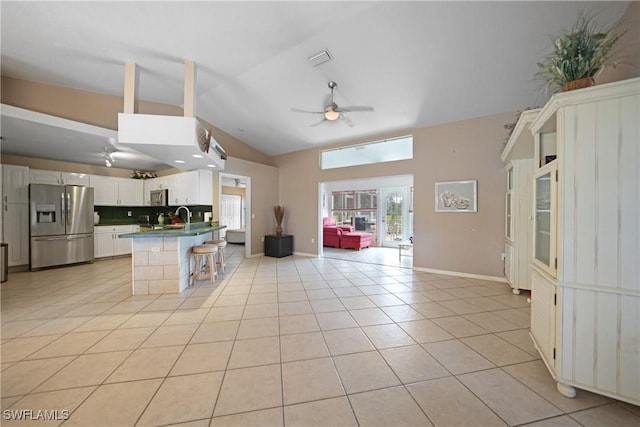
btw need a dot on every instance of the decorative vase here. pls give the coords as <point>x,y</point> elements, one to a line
<point>578,84</point>
<point>278,212</point>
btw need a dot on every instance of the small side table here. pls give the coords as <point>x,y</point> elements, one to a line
<point>404,245</point>
<point>278,246</point>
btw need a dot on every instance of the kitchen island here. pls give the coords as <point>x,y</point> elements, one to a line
<point>161,257</point>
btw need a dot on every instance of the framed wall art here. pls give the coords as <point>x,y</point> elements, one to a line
<point>457,196</point>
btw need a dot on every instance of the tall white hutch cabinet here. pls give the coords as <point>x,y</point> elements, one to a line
<point>518,241</point>
<point>585,263</point>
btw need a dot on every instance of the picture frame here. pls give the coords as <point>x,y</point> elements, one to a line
<point>457,196</point>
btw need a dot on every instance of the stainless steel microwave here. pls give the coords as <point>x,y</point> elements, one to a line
<point>159,197</point>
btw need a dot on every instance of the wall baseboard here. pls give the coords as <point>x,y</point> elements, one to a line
<point>459,274</point>
<point>306,254</point>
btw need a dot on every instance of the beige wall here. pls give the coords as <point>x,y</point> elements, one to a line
<point>102,110</point>
<point>264,196</point>
<point>627,50</point>
<point>461,242</point>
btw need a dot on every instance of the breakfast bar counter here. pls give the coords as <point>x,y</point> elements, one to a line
<point>161,257</point>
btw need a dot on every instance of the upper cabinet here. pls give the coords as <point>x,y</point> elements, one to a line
<point>15,184</point>
<point>186,188</point>
<point>39,176</point>
<point>112,191</point>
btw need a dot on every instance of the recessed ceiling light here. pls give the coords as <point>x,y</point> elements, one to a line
<point>197,156</point>
<point>179,161</point>
<point>211,166</point>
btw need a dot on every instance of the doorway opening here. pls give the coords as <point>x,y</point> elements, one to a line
<point>234,203</point>
<point>381,208</point>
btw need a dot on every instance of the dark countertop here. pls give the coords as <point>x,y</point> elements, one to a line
<point>195,230</point>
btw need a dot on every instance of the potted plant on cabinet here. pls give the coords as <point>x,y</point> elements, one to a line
<point>579,54</point>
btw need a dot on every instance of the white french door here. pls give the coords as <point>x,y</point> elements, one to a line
<point>394,205</point>
<point>231,212</point>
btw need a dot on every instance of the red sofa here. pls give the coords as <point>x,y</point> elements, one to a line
<point>332,232</point>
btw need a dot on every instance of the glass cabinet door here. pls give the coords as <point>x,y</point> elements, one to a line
<point>508,205</point>
<point>545,219</point>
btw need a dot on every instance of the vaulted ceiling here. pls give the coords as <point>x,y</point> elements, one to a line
<point>416,63</point>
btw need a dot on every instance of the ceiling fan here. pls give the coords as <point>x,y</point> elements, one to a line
<point>107,156</point>
<point>333,112</point>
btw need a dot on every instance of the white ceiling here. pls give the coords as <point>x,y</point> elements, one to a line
<point>416,63</point>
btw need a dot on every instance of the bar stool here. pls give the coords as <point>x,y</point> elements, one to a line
<point>221,244</point>
<point>204,262</point>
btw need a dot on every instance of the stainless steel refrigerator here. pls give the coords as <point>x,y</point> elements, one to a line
<point>61,225</point>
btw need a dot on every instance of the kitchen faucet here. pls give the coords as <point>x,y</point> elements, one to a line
<point>188,215</point>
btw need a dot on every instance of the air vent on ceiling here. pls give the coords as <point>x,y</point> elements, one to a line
<point>320,58</point>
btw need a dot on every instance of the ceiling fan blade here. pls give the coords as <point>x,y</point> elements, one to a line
<point>354,108</point>
<point>319,123</point>
<point>347,120</point>
<point>298,110</point>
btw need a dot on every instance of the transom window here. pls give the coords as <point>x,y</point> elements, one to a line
<point>388,150</point>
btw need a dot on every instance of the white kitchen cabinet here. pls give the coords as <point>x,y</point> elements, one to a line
<point>73,178</point>
<point>183,189</point>
<point>152,184</point>
<point>107,243</point>
<point>40,176</point>
<point>187,188</point>
<point>113,191</point>
<point>518,159</point>
<point>16,232</point>
<point>15,213</point>
<point>585,317</point>
<point>191,188</point>
<point>105,190</point>
<point>15,184</point>
<point>130,192</point>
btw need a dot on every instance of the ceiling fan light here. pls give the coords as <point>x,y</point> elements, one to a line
<point>108,159</point>
<point>331,115</point>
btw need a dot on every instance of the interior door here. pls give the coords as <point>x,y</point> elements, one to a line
<point>394,218</point>
<point>230,212</point>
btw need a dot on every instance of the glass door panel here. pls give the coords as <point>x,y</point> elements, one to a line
<point>394,219</point>
<point>544,219</point>
<point>508,216</point>
<point>508,205</point>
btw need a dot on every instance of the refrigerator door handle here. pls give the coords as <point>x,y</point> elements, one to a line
<point>68,209</point>
<point>63,209</point>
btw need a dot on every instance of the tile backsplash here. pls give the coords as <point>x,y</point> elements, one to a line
<point>111,215</point>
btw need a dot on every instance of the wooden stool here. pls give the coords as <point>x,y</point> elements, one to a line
<point>204,262</point>
<point>221,244</point>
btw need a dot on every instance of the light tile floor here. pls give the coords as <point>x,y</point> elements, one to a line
<point>374,254</point>
<point>293,341</point>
